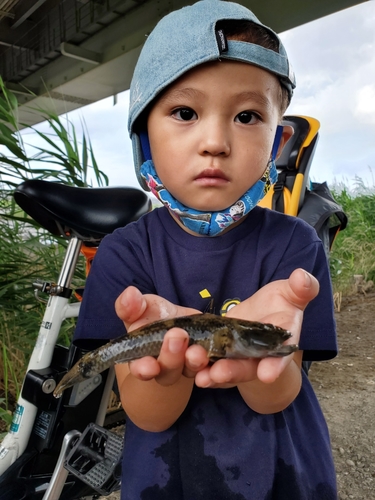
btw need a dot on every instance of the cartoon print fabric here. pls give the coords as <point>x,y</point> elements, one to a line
<point>209,223</point>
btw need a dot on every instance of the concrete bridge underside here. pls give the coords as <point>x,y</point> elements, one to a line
<point>72,53</point>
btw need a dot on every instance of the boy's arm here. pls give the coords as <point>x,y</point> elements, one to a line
<point>154,392</point>
<point>149,404</point>
<point>268,385</point>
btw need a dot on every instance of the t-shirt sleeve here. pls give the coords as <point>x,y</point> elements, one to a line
<point>318,340</point>
<point>318,335</point>
<point>118,264</point>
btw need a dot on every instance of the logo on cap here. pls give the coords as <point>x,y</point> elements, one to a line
<point>221,41</point>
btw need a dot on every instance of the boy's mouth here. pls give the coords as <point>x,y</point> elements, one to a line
<point>211,177</point>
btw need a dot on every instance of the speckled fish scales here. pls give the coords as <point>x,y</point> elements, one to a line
<point>222,337</point>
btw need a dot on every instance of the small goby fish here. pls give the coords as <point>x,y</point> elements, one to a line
<point>222,337</point>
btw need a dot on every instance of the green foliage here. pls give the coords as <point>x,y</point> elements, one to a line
<point>5,417</point>
<point>27,251</point>
<point>69,161</point>
<point>354,249</point>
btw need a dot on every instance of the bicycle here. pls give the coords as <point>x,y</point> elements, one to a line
<point>52,444</point>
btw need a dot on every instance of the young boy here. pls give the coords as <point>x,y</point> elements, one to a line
<point>207,96</point>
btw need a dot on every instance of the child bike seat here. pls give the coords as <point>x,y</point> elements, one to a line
<point>89,213</point>
<point>294,193</point>
<point>293,166</point>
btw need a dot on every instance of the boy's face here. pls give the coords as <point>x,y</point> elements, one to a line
<point>211,133</point>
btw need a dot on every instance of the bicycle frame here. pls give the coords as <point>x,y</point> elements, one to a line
<point>58,309</point>
<point>25,419</point>
<point>46,431</point>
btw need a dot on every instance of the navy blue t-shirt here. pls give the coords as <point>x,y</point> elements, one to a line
<point>219,448</point>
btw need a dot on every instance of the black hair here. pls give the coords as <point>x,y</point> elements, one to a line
<point>247,31</point>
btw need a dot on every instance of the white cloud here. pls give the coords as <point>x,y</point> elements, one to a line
<point>334,61</point>
<point>365,108</point>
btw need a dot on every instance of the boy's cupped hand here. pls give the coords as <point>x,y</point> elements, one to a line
<point>136,310</point>
<point>281,302</point>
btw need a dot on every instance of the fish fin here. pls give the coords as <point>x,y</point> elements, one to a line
<point>217,346</point>
<point>163,324</point>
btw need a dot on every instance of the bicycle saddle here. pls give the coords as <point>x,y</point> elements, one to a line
<point>89,213</point>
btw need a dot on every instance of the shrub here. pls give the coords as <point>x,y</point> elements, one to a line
<point>27,251</point>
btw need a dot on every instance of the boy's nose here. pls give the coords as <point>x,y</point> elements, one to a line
<point>214,140</point>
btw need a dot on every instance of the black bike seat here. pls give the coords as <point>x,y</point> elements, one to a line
<point>89,213</point>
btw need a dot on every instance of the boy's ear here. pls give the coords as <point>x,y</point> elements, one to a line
<point>288,131</point>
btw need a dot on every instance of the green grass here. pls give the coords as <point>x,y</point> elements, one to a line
<point>354,248</point>
<point>28,252</point>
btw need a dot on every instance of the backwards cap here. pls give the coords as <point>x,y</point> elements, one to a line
<point>187,38</point>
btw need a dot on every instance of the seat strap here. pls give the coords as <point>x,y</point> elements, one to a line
<point>278,193</point>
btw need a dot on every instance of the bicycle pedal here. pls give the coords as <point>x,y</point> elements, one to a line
<point>96,459</point>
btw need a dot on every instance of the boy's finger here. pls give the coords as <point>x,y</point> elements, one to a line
<point>269,369</point>
<point>227,373</point>
<point>234,371</point>
<point>145,368</point>
<point>136,309</point>
<point>172,356</point>
<point>130,305</point>
<point>195,360</point>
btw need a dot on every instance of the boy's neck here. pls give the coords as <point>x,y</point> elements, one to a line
<point>189,231</point>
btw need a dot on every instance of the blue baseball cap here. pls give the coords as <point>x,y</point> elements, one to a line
<point>187,38</point>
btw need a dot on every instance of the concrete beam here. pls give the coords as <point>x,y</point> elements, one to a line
<point>17,88</point>
<point>75,52</point>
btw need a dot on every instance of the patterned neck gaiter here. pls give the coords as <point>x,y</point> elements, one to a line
<point>210,223</point>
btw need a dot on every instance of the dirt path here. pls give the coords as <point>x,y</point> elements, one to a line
<point>346,389</point>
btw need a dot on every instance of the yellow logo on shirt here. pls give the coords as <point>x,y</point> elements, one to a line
<point>228,304</point>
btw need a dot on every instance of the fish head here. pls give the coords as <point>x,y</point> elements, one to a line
<point>260,343</point>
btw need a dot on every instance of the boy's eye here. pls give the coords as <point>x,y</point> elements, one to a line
<point>246,117</point>
<point>184,114</point>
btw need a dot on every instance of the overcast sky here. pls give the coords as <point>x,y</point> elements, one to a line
<point>334,62</point>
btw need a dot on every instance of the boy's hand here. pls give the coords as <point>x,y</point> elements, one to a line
<point>267,385</point>
<point>281,303</point>
<point>137,310</point>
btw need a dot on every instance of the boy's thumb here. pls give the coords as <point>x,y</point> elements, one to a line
<point>303,287</point>
<point>130,305</point>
